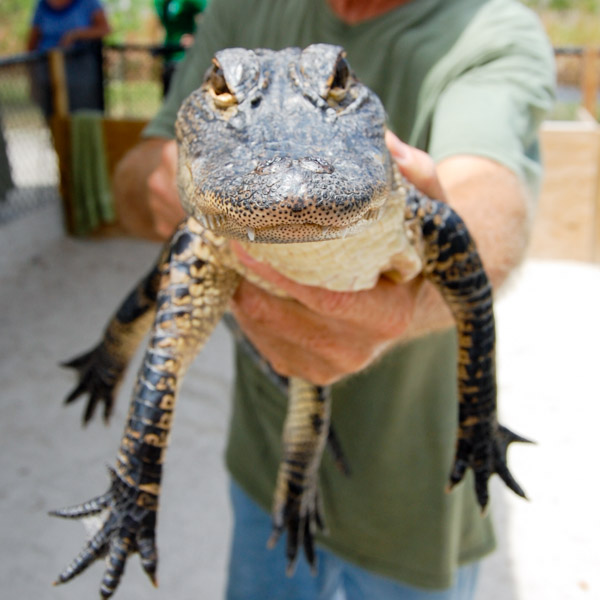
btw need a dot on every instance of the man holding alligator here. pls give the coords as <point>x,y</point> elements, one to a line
<point>466,84</point>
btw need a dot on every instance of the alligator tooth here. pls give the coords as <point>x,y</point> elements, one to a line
<point>325,230</point>
<point>373,214</point>
<point>204,221</point>
<point>250,233</point>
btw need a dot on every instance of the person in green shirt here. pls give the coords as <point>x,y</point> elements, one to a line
<point>178,18</point>
<point>465,84</point>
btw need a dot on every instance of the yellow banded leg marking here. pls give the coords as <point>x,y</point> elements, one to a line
<point>133,498</point>
<point>296,504</point>
<point>453,265</point>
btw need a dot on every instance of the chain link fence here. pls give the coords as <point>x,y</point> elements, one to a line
<point>131,87</point>
<point>28,169</point>
<point>132,80</point>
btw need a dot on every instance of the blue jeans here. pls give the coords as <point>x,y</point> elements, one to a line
<point>256,573</point>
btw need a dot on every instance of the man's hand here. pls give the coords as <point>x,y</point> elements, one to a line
<point>322,335</point>
<point>318,334</point>
<point>146,191</point>
<point>163,197</point>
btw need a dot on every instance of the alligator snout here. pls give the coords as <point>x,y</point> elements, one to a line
<point>280,164</point>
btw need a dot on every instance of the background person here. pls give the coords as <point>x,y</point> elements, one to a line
<point>78,27</point>
<point>178,17</point>
<point>466,83</point>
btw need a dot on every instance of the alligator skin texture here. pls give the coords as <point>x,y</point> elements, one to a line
<point>284,152</point>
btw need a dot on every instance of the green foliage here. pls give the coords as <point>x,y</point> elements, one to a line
<point>589,6</point>
<point>140,99</point>
<point>127,16</point>
<point>15,16</point>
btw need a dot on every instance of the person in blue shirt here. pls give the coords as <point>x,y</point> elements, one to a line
<point>78,27</point>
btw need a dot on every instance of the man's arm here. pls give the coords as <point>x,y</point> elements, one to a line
<point>322,335</point>
<point>145,190</point>
<point>34,37</point>
<point>97,29</point>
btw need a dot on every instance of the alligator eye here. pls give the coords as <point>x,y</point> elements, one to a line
<point>340,80</point>
<point>218,88</point>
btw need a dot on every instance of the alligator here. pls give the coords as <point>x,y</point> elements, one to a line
<point>284,152</point>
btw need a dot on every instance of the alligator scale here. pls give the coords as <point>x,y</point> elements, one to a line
<point>284,152</point>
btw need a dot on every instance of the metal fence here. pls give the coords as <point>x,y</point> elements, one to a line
<point>28,171</point>
<point>131,87</point>
<point>132,80</point>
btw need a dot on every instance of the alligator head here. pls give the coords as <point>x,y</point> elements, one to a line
<point>283,146</point>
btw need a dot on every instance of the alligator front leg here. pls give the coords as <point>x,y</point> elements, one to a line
<point>454,266</point>
<point>101,369</point>
<point>194,292</point>
<point>296,504</point>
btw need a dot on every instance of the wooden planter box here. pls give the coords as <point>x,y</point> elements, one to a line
<point>567,224</point>
<point>120,135</point>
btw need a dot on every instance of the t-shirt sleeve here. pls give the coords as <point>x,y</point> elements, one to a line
<point>494,107</point>
<point>213,33</point>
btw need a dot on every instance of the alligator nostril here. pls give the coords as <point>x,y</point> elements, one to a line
<point>282,163</point>
<point>273,165</point>
<point>317,165</point>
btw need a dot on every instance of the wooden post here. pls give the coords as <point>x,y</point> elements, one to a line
<point>590,86</point>
<point>60,128</point>
<point>58,82</point>
<point>590,80</point>
<point>596,238</point>
<point>571,151</point>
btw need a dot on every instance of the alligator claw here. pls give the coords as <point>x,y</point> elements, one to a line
<point>99,376</point>
<point>300,516</point>
<point>129,527</point>
<point>337,452</point>
<point>485,458</point>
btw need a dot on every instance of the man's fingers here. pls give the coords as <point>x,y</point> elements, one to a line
<point>263,318</point>
<point>384,310</point>
<point>290,336</point>
<point>163,196</point>
<point>161,181</point>
<point>417,166</point>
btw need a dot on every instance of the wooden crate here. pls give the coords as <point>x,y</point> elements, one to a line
<point>119,136</point>
<point>567,224</point>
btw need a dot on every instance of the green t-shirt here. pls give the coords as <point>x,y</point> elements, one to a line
<point>460,77</point>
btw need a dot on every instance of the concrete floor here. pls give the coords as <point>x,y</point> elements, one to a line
<point>56,294</point>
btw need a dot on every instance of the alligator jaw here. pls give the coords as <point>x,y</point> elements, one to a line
<point>228,227</point>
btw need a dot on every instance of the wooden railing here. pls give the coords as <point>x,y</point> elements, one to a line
<point>589,82</point>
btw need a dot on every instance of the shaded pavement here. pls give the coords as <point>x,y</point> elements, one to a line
<point>56,294</point>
